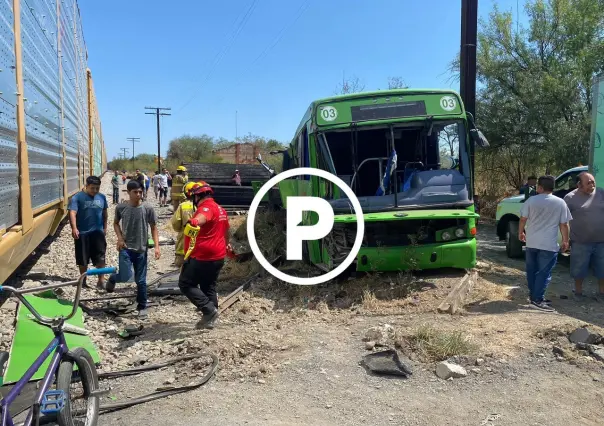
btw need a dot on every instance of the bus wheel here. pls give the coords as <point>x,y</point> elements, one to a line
<point>513,246</point>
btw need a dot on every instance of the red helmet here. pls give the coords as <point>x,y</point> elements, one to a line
<point>202,188</point>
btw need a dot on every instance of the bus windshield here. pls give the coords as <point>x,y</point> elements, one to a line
<point>402,165</point>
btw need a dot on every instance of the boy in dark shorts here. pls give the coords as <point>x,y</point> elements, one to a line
<point>132,238</point>
<point>88,220</point>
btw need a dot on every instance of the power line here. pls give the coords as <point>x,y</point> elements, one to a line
<point>158,113</point>
<point>233,28</point>
<point>133,140</point>
<point>221,54</point>
<point>301,10</point>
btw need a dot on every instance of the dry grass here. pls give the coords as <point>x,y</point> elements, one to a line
<point>240,270</point>
<point>370,294</point>
<point>485,290</point>
<point>269,229</point>
<point>370,302</point>
<point>436,345</point>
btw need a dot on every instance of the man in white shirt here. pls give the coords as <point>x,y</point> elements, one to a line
<point>542,215</point>
<point>163,189</point>
<point>155,183</point>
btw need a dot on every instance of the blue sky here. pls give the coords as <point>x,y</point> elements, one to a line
<point>207,60</point>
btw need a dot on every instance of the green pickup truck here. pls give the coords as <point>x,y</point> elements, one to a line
<point>508,212</point>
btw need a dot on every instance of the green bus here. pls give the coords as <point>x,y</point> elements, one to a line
<point>406,154</point>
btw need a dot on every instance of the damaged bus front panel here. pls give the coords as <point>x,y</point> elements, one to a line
<point>405,154</point>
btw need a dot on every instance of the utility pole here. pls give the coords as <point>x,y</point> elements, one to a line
<point>158,114</point>
<point>124,152</point>
<point>467,69</point>
<point>133,140</point>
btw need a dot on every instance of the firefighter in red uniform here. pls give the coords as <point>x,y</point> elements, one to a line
<point>205,258</point>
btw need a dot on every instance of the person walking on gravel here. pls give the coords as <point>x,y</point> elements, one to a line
<point>115,184</point>
<point>155,182</point>
<point>164,179</point>
<point>586,204</point>
<point>541,216</point>
<point>200,270</point>
<point>147,184</point>
<point>132,240</point>
<point>88,220</point>
<point>181,216</point>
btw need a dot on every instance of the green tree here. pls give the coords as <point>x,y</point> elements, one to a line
<point>192,149</point>
<point>534,97</point>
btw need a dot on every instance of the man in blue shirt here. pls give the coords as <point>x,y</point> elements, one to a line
<point>88,220</point>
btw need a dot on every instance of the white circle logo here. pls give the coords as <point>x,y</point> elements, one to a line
<point>356,247</point>
<point>329,113</point>
<point>448,103</point>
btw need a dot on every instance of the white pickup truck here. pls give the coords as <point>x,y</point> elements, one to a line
<point>508,212</point>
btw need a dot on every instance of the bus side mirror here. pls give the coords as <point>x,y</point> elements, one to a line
<point>476,135</point>
<point>478,138</point>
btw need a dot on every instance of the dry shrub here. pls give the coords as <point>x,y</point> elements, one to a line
<point>370,302</point>
<point>240,270</point>
<point>269,228</point>
<point>436,345</point>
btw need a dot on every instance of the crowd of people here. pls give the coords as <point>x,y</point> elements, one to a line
<point>578,218</point>
<point>200,253</point>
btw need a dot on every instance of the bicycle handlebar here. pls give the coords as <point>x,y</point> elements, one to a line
<point>46,320</point>
<point>102,271</point>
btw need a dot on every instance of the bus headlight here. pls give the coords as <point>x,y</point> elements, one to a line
<point>446,236</point>
<point>460,233</point>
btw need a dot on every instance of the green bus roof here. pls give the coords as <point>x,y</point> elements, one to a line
<point>390,92</point>
<point>382,105</point>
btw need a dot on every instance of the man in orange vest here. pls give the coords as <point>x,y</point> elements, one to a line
<point>205,259</point>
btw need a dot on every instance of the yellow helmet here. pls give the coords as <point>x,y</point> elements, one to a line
<point>188,189</point>
<point>181,168</point>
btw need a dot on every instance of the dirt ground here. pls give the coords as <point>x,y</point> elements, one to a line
<point>291,355</point>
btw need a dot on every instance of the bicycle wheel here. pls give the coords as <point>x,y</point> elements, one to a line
<point>74,413</point>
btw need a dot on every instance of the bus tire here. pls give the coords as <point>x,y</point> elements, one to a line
<point>513,246</point>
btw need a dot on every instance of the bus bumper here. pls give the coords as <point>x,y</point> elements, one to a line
<point>455,254</point>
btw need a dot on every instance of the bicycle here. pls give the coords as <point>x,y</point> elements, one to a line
<point>56,402</point>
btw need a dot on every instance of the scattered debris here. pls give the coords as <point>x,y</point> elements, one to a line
<point>163,241</point>
<point>596,351</point>
<point>490,418</point>
<point>381,335</point>
<point>38,273</point>
<point>584,335</point>
<point>131,331</point>
<point>455,300</point>
<point>387,363</point>
<point>446,370</point>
